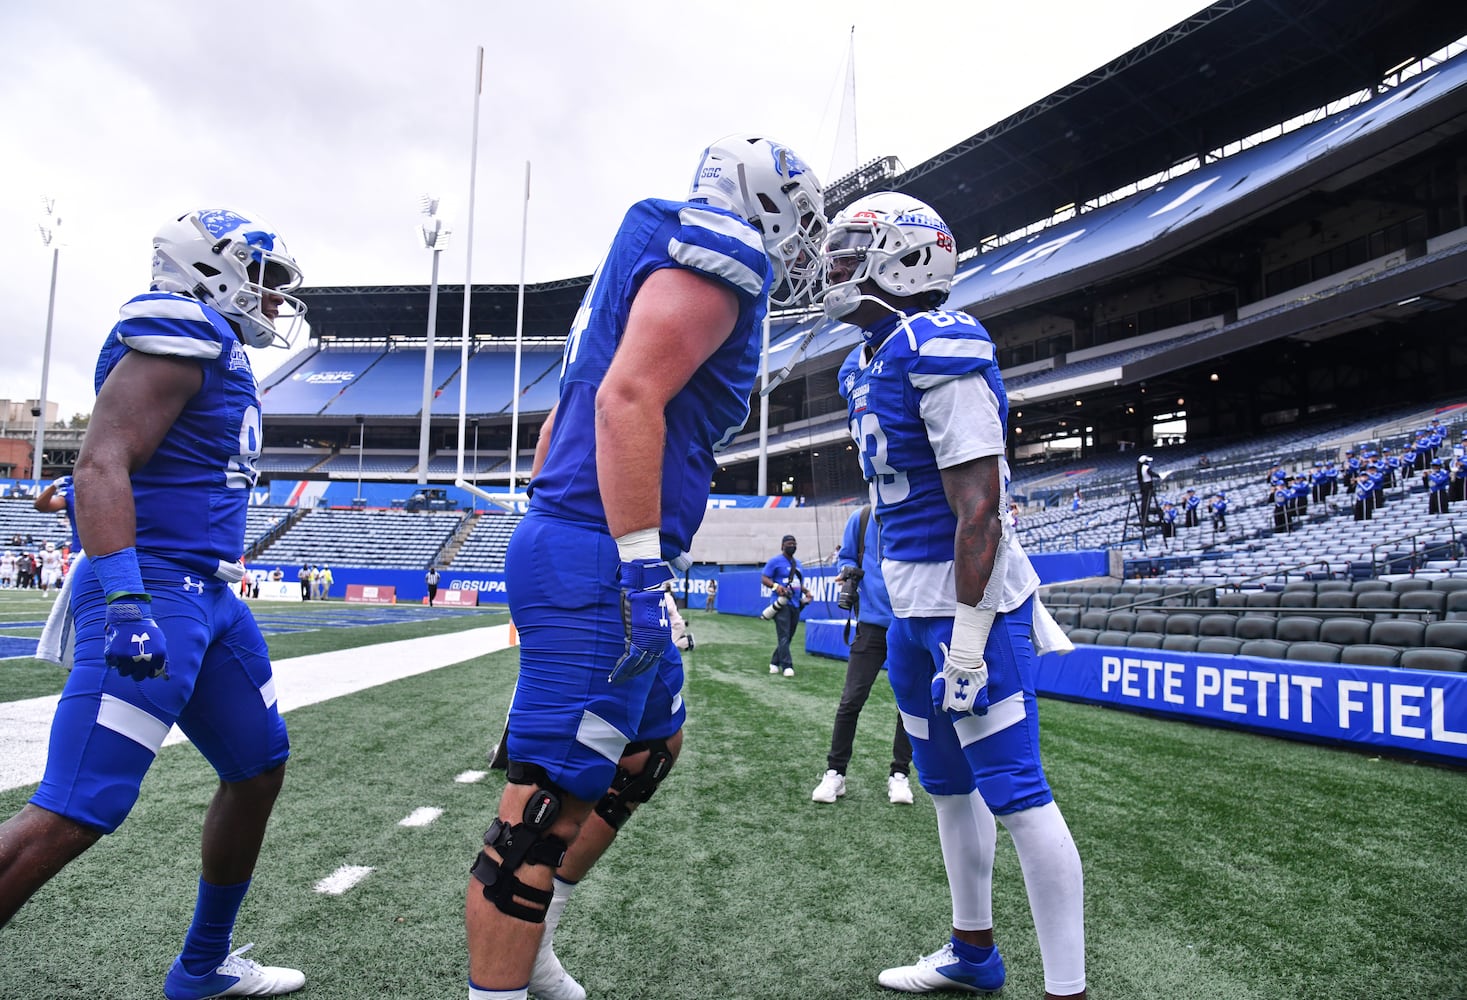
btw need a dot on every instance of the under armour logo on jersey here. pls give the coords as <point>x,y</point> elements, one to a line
<point>192,585</point>
<point>877,366</point>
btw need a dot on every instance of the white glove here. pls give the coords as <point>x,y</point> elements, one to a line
<point>962,684</point>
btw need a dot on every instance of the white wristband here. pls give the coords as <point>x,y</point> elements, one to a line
<point>970,628</point>
<point>643,544</point>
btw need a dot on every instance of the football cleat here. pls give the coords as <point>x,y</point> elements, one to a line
<point>944,970</point>
<point>550,981</point>
<point>235,977</point>
<point>899,790</point>
<point>831,787</point>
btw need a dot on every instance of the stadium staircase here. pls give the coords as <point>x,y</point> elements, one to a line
<point>456,540</point>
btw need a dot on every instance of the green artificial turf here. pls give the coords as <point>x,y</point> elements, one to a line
<point>1219,865</point>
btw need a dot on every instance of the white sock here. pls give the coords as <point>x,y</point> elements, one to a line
<point>1056,886</point>
<point>562,895</point>
<point>966,832</point>
<point>477,993</point>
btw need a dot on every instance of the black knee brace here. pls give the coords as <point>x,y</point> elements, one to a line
<point>629,789</point>
<point>525,842</point>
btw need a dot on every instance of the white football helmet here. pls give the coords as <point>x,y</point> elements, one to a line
<point>892,239</point>
<point>237,265</point>
<point>768,184</point>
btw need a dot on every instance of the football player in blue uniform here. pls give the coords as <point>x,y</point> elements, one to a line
<point>658,368</point>
<point>161,637</point>
<point>928,413</point>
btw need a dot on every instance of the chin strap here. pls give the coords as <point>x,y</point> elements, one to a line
<point>784,372</point>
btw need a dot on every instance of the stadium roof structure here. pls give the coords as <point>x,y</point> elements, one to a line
<point>1164,102</point>
<point>1140,114</point>
<point>376,313</point>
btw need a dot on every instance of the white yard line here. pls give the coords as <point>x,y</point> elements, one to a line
<point>343,879</point>
<point>421,816</point>
<point>25,726</point>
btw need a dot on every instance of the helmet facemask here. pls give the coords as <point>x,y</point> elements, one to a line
<point>896,242</point>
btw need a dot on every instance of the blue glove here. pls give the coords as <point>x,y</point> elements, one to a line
<point>643,617</point>
<point>132,642</point>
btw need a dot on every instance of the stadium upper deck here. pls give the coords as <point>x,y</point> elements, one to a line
<point>1198,295</point>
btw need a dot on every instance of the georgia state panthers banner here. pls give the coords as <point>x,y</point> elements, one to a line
<point>1418,713</point>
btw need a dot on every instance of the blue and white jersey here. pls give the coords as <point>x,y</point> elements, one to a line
<point>707,412</point>
<point>928,398</point>
<point>191,496</point>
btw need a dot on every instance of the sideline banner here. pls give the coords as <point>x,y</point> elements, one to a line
<point>362,593</point>
<point>457,598</point>
<point>1418,713</point>
<point>743,593</point>
<point>827,637</point>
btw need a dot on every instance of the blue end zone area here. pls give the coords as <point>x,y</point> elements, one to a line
<point>14,646</point>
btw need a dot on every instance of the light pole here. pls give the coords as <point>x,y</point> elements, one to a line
<point>435,238</point>
<point>49,223</point>
<point>361,447</point>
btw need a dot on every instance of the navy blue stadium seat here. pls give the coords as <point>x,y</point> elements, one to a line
<point>1297,628</point>
<point>1451,635</point>
<point>1344,631</point>
<point>1434,658</point>
<point>1434,602</point>
<point>1397,632</point>
<point>1255,627</point>
<point>1151,621</point>
<point>1378,600</point>
<point>1268,648</point>
<point>1121,621</point>
<point>1314,652</point>
<point>1366,654</point>
<point>1218,644</point>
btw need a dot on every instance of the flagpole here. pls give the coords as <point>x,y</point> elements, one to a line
<point>463,371</point>
<point>519,339</point>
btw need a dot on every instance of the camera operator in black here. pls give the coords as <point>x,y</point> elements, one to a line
<point>863,597</point>
<point>786,577</point>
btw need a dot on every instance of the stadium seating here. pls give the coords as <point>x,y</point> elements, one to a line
<point>1434,658</point>
<point>364,538</point>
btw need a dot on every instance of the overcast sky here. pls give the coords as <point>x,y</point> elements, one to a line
<point>329,118</point>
